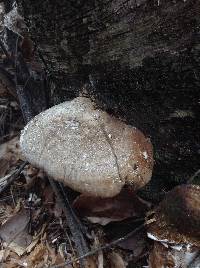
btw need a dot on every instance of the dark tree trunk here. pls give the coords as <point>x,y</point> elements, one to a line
<point>139,59</point>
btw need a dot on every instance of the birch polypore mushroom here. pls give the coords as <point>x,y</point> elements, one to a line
<point>87,149</point>
<point>176,229</point>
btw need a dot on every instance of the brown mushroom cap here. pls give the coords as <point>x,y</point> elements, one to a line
<point>87,149</point>
<point>178,216</point>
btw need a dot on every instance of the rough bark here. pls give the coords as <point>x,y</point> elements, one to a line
<point>140,60</point>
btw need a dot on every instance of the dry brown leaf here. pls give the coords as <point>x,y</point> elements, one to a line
<point>116,260</point>
<point>136,243</point>
<point>14,232</point>
<point>90,263</point>
<point>10,154</point>
<point>159,257</point>
<point>4,254</point>
<point>57,259</point>
<point>6,212</point>
<point>14,225</point>
<point>118,208</point>
<point>38,255</point>
<point>12,260</point>
<point>14,263</point>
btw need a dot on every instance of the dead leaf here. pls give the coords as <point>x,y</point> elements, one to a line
<point>6,212</point>
<point>14,232</point>
<point>90,263</point>
<point>38,255</point>
<point>53,256</point>
<point>36,239</point>
<point>116,260</point>
<point>136,243</point>
<point>10,154</point>
<point>118,208</point>
<point>12,260</point>
<point>13,226</point>
<point>57,259</point>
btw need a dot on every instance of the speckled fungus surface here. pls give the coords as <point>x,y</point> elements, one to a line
<point>87,149</point>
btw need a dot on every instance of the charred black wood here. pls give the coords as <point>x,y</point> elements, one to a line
<point>144,59</point>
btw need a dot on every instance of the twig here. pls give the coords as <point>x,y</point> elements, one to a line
<point>106,246</point>
<point>193,176</point>
<point>79,240</point>
<point>13,176</point>
<point>71,211</point>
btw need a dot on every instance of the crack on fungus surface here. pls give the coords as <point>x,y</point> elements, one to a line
<point>112,149</point>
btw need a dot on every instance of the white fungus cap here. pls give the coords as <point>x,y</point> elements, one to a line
<point>87,149</point>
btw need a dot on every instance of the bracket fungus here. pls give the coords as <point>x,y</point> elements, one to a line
<point>176,229</point>
<point>87,149</point>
